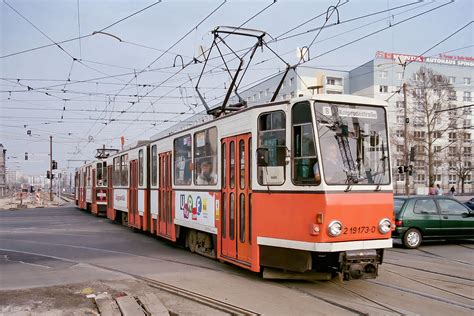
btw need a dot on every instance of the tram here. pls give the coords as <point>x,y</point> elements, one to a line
<point>295,188</point>
<point>91,187</point>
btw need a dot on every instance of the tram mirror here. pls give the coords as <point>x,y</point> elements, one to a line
<point>262,157</point>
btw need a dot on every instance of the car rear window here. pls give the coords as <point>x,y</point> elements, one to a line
<point>397,205</point>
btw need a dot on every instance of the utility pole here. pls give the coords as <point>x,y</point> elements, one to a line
<point>405,167</point>
<point>51,168</point>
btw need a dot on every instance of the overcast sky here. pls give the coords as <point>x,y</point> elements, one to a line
<point>92,91</point>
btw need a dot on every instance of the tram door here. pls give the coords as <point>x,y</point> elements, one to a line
<point>110,195</point>
<point>84,189</point>
<point>94,194</point>
<point>133,218</point>
<point>236,195</point>
<point>165,211</point>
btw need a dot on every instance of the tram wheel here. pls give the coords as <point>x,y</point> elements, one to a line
<point>412,238</point>
<point>192,240</point>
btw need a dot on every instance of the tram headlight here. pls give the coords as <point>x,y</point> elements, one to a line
<point>334,228</point>
<point>385,226</point>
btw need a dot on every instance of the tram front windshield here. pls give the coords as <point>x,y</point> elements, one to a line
<point>353,143</point>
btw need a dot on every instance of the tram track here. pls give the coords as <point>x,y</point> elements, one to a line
<point>428,271</point>
<point>431,255</point>
<point>429,285</point>
<point>172,289</point>
<point>421,294</point>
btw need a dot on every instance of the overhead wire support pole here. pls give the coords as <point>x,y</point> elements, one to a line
<point>51,168</point>
<point>407,183</point>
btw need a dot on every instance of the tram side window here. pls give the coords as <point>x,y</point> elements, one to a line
<point>116,172</point>
<point>271,148</point>
<point>140,167</point>
<point>124,170</point>
<point>154,168</point>
<point>182,160</point>
<point>99,174</point>
<point>205,157</point>
<point>305,160</point>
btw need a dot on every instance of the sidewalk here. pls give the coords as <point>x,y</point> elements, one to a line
<point>29,200</point>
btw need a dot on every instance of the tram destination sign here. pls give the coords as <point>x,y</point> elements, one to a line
<point>442,59</point>
<point>347,112</point>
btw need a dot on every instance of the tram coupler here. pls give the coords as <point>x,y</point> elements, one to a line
<point>360,264</point>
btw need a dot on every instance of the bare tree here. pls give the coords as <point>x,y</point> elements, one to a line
<point>430,92</point>
<point>460,157</point>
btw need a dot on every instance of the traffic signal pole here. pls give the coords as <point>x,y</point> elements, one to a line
<point>51,168</point>
<point>407,188</point>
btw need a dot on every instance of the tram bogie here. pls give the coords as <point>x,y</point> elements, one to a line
<point>300,186</point>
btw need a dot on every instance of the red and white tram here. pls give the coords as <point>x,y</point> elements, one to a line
<point>91,187</point>
<point>300,186</point>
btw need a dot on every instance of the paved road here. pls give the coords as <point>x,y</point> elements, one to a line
<point>42,247</point>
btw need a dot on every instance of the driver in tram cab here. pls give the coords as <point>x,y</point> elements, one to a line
<point>206,176</point>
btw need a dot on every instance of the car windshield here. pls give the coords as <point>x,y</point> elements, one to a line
<point>397,205</point>
<point>354,145</point>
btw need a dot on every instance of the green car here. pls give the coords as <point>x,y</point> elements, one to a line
<point>431,217</point>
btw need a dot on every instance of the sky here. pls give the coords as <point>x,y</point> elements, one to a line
<point>128,79</point>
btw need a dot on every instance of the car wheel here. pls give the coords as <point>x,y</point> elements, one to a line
<point>412,238</point>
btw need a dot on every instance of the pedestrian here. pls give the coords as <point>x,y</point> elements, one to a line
<point>439,190</point>
<point>432,190</point>
<point>453,190</point>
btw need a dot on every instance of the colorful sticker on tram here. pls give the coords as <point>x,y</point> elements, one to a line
<point>196,206</point>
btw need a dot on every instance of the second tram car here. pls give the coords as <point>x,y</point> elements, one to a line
<point>300,186</point>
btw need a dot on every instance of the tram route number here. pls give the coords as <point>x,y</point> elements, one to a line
<point>359,229</point>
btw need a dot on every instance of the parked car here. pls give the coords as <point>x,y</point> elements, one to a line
<point>431,217</point>
<point>470,204</point>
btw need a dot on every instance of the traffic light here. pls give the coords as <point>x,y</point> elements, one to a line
<point>48,175</point>
<point>26,156</point>
<point>400,169</point>
<point>54,165</point>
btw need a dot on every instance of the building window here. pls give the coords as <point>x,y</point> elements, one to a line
<point>400,119</point>
<point>267,92</point>
<point>205,157</point>
<point>261,95</point>
<point>467,81</point>
<point>399,104</point>
<point>419,134</point>
<point>452,80</point>
<point>467,151</point>
<point>333,81</point>
<point>400,133</point>
<point>419,121</point>
<point>333,92</point>
<point>437,177</point>
<point>400,148</point>
<point>417,77</point>
<point>292,94</point>
<point>292,81</point>
<point>383,74</point>
<point>437,134</point>
<point>452,136</point>
<point>437,149</point>
<point>452,96</point>
<point>182,160</point>
<point>452,179</point>
<point>399,75</point>
<point>466,96</point>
